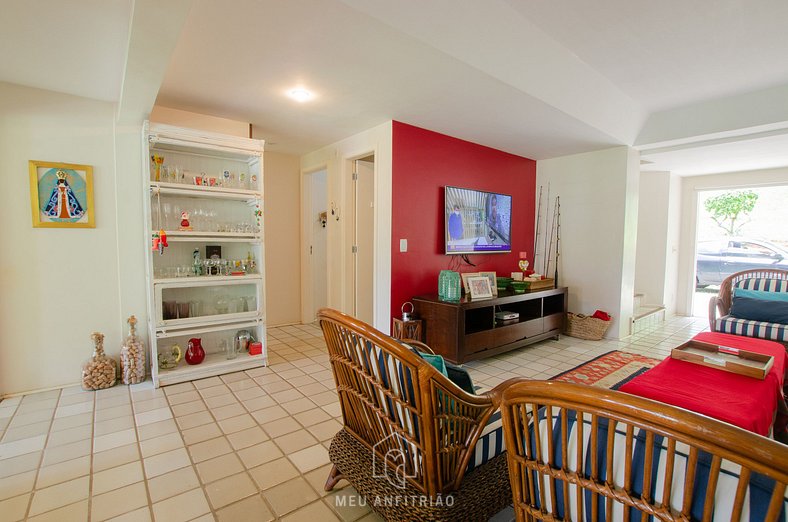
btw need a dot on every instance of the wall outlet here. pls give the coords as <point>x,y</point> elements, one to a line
<point>403,245</point>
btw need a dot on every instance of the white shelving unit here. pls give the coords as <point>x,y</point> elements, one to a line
<point>219,305</point>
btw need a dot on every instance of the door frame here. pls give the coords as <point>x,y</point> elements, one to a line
<point>351,270</point>
<point>307,284</point>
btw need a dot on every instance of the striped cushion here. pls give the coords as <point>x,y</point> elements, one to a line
<point>762,330</point>
<point>763,284</point>
<point>376,361</point>
<point>755,504</point>
<point>490,443</point>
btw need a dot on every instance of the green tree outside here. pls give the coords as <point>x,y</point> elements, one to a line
<point>730,209</point>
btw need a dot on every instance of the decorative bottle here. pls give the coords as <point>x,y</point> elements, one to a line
<point>132,356</point>
<point>99,371</point>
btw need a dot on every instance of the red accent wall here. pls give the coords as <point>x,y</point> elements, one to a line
<point>423,163</point>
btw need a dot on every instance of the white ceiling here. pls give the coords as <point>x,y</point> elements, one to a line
<point>539,79</point>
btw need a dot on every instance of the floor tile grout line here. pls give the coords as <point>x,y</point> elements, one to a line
<point>43,453</point>
<point>141,458</point>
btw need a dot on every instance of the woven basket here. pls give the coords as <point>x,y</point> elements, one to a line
<point>585,327</point>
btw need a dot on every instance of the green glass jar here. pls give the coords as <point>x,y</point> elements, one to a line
<point>449,285</point>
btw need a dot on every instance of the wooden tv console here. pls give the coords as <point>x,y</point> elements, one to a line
<point>465,330</point>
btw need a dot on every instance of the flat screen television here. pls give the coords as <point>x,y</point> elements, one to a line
<point>477,222</point>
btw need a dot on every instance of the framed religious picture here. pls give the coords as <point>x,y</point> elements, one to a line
<point>493,281</point>
<point>61,195</point>
<point>480,287</point>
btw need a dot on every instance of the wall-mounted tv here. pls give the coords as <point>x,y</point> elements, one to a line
<point>477,222</point>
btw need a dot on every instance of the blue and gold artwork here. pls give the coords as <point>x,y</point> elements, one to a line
<point>61,194</point>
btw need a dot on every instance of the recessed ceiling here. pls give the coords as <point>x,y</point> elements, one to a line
<point>671,53</point>
<point>74,47</point>
<point>734,156</point>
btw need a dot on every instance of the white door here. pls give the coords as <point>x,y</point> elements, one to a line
<point>318,245</point>
<point>364,225</point>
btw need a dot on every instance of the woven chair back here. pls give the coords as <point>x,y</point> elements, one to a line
<point>417,423</point>
<point>582,453</point>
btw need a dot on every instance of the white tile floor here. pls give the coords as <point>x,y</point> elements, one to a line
<point>245,446</point>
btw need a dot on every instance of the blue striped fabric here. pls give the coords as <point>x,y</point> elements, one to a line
<point>763,284</point>
<point>759,329</point>
<point>756,500</point>
<point>490,443</point>
<point>375,362</point>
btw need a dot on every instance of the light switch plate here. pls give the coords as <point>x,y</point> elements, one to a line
<point>403,245</point>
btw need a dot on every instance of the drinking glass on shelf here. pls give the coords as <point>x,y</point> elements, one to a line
<point>182,271</point>
<point>195,308</point>
<point>183,310</point>
<point>169,310</point>
<point>168,211</point>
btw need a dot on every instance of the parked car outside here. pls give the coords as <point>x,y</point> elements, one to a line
<point>720,258</point>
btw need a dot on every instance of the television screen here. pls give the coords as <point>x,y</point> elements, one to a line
<point>477,222</point>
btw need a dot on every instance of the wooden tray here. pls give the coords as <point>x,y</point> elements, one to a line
<point>734,360</point>
<point>542,284</point>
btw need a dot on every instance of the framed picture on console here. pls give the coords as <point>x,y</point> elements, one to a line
<point>492,276</point>
<point>465,277</point>
<point>480,287</point>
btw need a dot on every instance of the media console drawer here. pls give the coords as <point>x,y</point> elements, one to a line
<point>465,330</point>
<point>514,332</point>
<point>553,322</point>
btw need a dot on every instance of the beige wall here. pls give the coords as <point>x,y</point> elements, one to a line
<point>193,120</point>
<point>56,285</point>
<point>282,218</point>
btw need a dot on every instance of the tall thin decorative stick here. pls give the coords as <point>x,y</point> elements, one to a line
<point>538,218</point>
<point>547,211</point>
<point>557,237</point>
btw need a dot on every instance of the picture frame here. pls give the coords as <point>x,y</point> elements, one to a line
<point>61,195</point>
<point>493,277</point>
<point>480,287</point>
<point>465,277</point>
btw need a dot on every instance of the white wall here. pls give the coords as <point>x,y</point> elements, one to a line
<point>58,285</point>
<point>337,160</point>
<point>673,245</point>
<point>659,226</point>
<point>599,195</point>
<point>653,202</point>
<point>319,196</point>
<point>690,187</point>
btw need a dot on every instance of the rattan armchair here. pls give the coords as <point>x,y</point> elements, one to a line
<point>409,433</point>
<point>596,454</point>
<point>721,303</point>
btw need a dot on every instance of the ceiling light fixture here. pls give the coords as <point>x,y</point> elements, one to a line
<point>300,94</point>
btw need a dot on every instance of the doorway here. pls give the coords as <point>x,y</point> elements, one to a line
<point>362,223</point>
<point>315,218</point>
<point>737,229</point>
